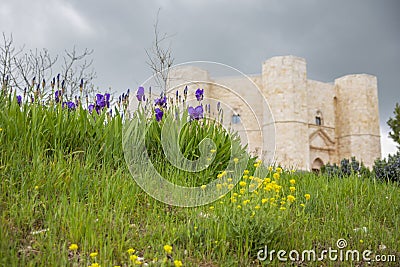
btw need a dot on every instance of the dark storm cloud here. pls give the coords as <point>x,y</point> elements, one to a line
<point>335,37</point>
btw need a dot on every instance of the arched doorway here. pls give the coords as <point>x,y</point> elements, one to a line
<point>317,164</point>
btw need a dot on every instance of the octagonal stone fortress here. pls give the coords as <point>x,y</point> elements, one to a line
<point>315,122</point>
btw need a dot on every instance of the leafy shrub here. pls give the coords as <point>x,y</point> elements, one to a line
<point>388,169</point>
<point>346,168</point>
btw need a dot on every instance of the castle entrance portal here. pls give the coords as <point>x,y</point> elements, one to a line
<point>316,165</point>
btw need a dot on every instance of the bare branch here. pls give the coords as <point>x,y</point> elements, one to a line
<point>160,59</point>
<point>32,71</point>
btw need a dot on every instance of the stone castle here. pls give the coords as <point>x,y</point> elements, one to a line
<point>305,123</point>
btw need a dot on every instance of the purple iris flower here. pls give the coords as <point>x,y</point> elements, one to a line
<point>107,97</point>
<point>162,102</point>
<point>159,114</point>
<point>140,94</point>
<point>57,96</point>
<point>103,101</point>
<point>69,105</point>
<point>100,100</point>
<point>19,99</point>
<point>91,107</point>
<point>195,113</point>
<point>199,94</point>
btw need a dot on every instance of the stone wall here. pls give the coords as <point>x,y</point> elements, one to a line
<point>285,88</point>
<point>358,118</point>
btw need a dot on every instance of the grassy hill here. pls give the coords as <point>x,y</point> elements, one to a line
<point>67,198</point>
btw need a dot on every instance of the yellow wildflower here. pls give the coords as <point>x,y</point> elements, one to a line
<point>270,168</point>
<point>292,181</point>
<point>282,208</point>
<point>138,262</point>
<point>246,172</point>
<point>230,186</point>
<point>211,207</point>
<point>246,201</point>
<point>36,187</point>
<point>245,177</point>
<point>264,200</point>
<point>73,247</point>
<point>178,263</point>
<point>219,186</point>
<point>256,165</point>
<point>236,160</point>
<point>168,249</point>
<point>277,188</point>
<point>95,264</point>
<point>276,175</point>
<point>292,189</point>
<point>222,174</point>
<point>233,200</point>
<point>93,254</point>
<point>213,150</point>
<point>131,251</point>
<point>269,187</point>
<point>257,207</point>
<point>229,180</point>
<point>133,257</point>
<point>203,186</point>
<point>239,207</point>
<point>279,170</point>
<point>302,205</point>
<point>255,192</point>
<point>291,198</point>
<point>242,191</point>
<point>283,202</point>
<point>242,183</point>
<point>307,196</point>
<point>259,180</point>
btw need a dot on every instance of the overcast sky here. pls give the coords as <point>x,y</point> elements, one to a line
<point>335,37</point>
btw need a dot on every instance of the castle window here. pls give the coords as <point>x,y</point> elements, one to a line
<point>318,120</point>
<point>235,119</point>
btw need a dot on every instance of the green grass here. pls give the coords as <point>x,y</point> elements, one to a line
<point>63,172</point>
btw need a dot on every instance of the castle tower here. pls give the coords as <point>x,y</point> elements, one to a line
<point>285,87</point>
<point>357,118</point>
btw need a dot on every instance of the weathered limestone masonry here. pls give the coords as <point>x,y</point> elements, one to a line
<point>315,122</point>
